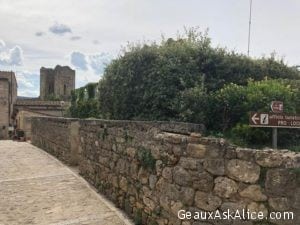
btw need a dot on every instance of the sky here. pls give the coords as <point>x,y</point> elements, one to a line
<point>87,35</point>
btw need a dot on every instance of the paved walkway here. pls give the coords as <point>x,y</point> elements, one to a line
<point>35,188</point>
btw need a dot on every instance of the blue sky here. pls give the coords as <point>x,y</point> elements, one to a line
<point>86,35</point>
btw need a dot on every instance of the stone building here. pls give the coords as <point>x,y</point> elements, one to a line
<point>55,93</point>
<point>8,96</point>
<point>25,109</point>
<point>56,83</point>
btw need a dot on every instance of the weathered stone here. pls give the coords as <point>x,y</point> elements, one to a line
<point>177,150</point>
<point>165,202</point>
<point>123,184</point>
<point>190,163</point>
<point>295,200</point>
<point>122,166</point>
<point>169,159</point>
<point>268,158</point>
<point>225,187</point>
<point>258,207</point>
<point>230,153</point>
<point>194,138</point>
<point>242,222</point>
<point>201,223</point>
<point>187,195</point>
<point>246,154</point>
<point>280,182</point>
<point>207,201</point>
<point>244,171</point>
<point>134,169</point>
<point>149,203</point>
<point>175,207</point>
<point>146,191</point>
<point>181,176</point>
<point>233,206</point>
<point>215,166</point>
<point>203,181</point>
<point>279,204</point>
<point>158,167</point>
<point>167,189</point>
<point>155,151</point>
<point>143,176</point>
<point>131,152</point>
<point>152,181</point>
<point>253,192</point>
<point>167,173</point>
<point>196,150</point>
<point>120,140</point>
<point>174,138</point>
<point>186,223</point>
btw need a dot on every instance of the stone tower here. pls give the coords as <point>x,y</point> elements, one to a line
<point>56,83</point>
<point>8,96</point>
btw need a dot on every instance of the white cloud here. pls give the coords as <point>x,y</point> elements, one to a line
<point>16,56</point>
<point>75,38</point>
<point>28,83</point>
<point>79,60</point>
<point>60,29</point>
<point>11,57</point>
<point>95,63</point>
<point>2,44</point>
<point>98,62</point>
<point>39,33</point>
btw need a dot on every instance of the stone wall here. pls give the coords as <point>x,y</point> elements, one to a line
<point>153,170</point>
<point>58,136</point>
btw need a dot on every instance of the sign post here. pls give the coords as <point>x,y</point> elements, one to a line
<point>276,107</point>
<point>274,120</point>
<point>274,138</point>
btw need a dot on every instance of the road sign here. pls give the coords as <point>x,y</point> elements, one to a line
<point>277,106</point>
<point>263,119</point>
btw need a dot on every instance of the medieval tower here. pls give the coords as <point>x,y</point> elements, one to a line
<point>56,83</point>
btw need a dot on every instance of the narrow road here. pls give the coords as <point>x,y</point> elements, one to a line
<point>35,188</point>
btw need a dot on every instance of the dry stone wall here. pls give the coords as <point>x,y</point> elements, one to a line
<point>153,170</point>
<point>58,136</point>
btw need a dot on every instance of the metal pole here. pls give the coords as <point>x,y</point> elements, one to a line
<point>249,32</point>
<point>274,138</point>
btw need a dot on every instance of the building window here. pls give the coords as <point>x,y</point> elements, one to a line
<point>65,89</point>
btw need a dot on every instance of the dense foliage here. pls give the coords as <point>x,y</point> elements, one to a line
<point>230,107</point>
<point>84,103</point>
<point>186,79</point>
<point>154,82</point>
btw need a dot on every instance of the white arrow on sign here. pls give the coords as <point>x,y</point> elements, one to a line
<point>254,118</point>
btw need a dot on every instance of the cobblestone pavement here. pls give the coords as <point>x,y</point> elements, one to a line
<point>35,188</point>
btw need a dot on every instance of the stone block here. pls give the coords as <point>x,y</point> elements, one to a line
<point>202,181</point>
<point>279,204</point>
<point>207,201</point>
<point>225,187</point>
<point>187,195</point>
<point>181,176</point>
<point>215,166</point>
<point>196,150</point>
<point>244,171</point>
<point>191,163</point>
<point>258,207</point>
<point>280,182</point>
<point>167,173</point>
<point>268,158</point>
<point>253,192</point>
